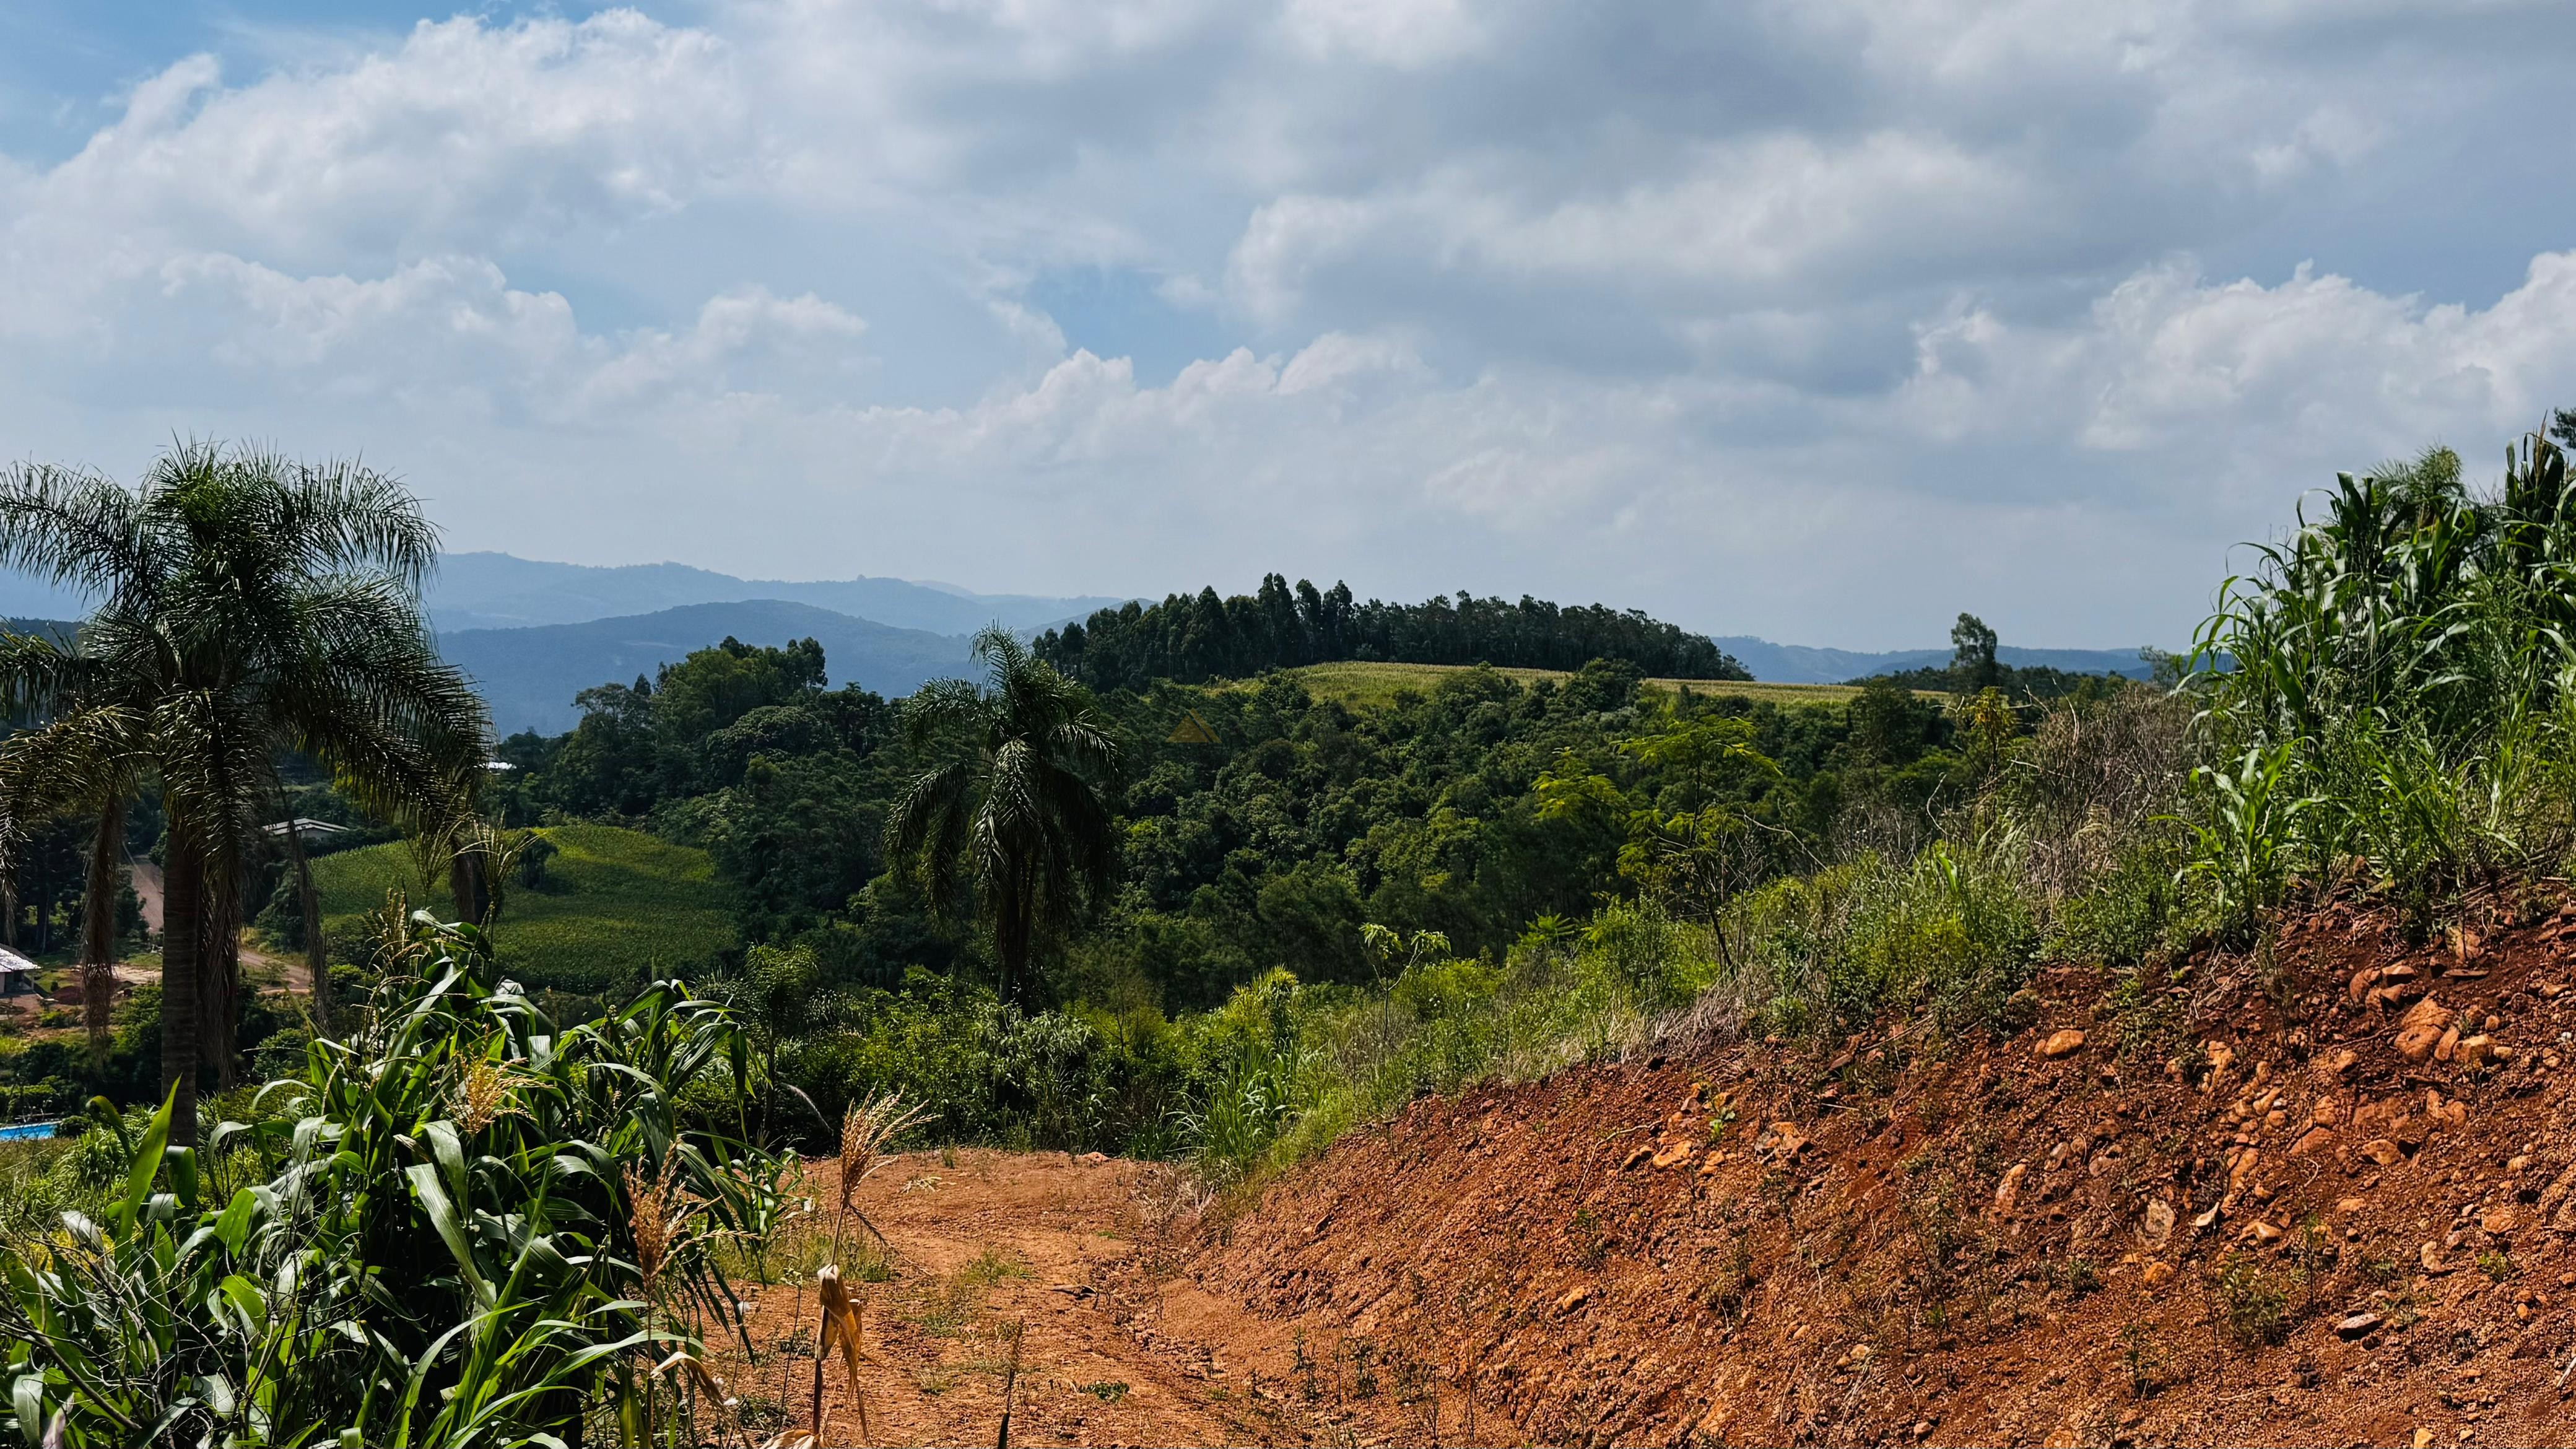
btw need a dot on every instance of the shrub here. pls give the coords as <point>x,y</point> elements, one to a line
<point>2253,1303</point>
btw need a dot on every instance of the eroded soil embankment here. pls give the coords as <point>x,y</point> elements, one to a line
<point>2302,1216</point>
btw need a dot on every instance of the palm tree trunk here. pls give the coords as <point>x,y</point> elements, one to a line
<point>219,972</point>
<point>465,883</point>
<point>98,921</point>
<point>182,888</point>
<point>1013,926</point>
<point>308,904</point>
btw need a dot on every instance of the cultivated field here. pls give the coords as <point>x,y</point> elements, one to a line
<point>614,904</point>
<point>1357,682</point>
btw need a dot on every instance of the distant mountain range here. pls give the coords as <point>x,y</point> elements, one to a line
<point>529,676</point>
<point>498,591</point>
<point>1802,664</point>
<point>534,634</point>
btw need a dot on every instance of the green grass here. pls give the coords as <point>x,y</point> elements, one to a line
<point>616,904</point>
<point>1359,683</point>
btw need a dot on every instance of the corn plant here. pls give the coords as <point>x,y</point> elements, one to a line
<point>476,1227</point>
<point>2245,836</point>
<point>2381,693</point>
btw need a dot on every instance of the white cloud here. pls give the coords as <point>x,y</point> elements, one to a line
<point>1822,320</point>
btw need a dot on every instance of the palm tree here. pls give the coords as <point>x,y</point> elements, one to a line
<point>249,607</point>
<point>1020,822</point>
<point>85,772</point>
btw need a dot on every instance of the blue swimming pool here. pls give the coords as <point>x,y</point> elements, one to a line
<point>26,1131</point>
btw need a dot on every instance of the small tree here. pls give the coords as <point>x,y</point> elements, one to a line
<point>1972,657</point>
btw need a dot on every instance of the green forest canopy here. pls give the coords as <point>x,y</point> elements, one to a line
<point>1195,638</point>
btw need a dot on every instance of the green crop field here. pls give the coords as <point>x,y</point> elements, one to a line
<point>1355,682</point>
<point>615,904</point>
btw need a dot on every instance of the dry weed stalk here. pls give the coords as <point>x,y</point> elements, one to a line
<point>1011,1382</point>
<point>865,1131</point>
<point>844,1314</point>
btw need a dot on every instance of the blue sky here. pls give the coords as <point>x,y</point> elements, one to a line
<point>1820,320</point>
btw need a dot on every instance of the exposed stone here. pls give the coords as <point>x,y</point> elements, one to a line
<point>2157,1275</point>
<point>1574,1298</point>
<point>2062,1042</point>
<point>2357,1325</point>
<point>1673,1156</point>
<point>1640,1155</point>
<point>2158,1224</point>
<point>2315,1139</point>
<point>2500,1220</point>
<point>2261,1234</point>
<point>2008,1191</point>
<point>2474,1050</point>
<point>2420,1030</point>
<point>2449,1046</point>
<point>2242,1168</point>
<point>2383,1151</point>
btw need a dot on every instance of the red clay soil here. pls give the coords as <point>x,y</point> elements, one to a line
<point>1077,1257</point>
<point>2279,1226</point>
<point>2293,1213</point>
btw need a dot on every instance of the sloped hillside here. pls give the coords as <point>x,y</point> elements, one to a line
<point>2323,1197</point>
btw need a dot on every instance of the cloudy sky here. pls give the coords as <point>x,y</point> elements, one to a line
<point>1819,319</point>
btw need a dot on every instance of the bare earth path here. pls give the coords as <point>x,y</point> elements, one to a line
<point>290,971</point>
<point>1076,1250</point>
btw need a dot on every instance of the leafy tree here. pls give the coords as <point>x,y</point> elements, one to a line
<point>250,608</point>
<point>1972,656</point>
<point>1021,820</point>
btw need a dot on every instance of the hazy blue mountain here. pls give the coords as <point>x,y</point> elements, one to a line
<point>529,676</point>
<point>1805,664</point>
<point>498,591</point>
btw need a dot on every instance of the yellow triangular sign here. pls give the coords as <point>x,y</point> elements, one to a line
<point>1192,730</point>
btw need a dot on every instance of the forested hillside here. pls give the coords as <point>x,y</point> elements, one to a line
<point>1195,638</point>
<point>1468,810</point>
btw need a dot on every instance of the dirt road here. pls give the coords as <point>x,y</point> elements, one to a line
<point>1073,1254</point>
<point>288,971</point>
